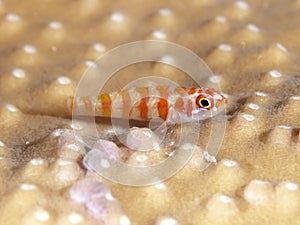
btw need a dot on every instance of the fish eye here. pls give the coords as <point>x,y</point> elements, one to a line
<point>203,102</point>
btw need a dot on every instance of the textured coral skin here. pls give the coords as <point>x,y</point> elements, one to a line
<point>252,47</point>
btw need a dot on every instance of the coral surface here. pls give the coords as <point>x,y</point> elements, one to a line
<point>253,49</point>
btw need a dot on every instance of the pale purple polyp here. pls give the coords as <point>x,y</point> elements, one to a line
<point>67,137</point>
<point>98,206</point>
<point>110,149</point>
<point>83,190</point>
<point>91,194</point>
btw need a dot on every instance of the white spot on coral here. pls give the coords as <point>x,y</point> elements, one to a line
<point>124,220</point>
<point>260,182</point>
<point>170,154</point>
<point>75,218</point>
<point>141,158</point>
<point>11,108</point>
<point>91,64</point>
<point>29,49</point>
<point>249,117</point>
<point>42,215</point>
<point>242,4</point>
<point>18,73</point>
<point>165,12</point>
<point>63,80</point>
<point>109,197</point>
<point>221,19</point>
<point>284,126</point>
<point>221,204</point>
<point>27,187</point>
<point>160,186</point>
<point>117,17</point>
<point>229,163</point>
<point>225,199</point>
<point>167,221</point>
<point>37,162</point>
<point>297,98</point>
<point>11,17</point>
<point>1,144</point>
<point>259,192</point>
<point>55,25</point>
<point>105,163</point>
<point>225,47</point>
<point>99,47</point>
<point>261,94</point>
<point>281,47</point>
<point>64,162</point>
<point>291,186</point>
<point>275,73</point>
<point>253,28</point>
<point>253,106</point>
<point>159,35</point>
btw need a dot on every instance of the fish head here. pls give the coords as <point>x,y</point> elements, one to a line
<point>207,103</point>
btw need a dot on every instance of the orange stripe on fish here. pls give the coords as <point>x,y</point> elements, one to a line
<point>126,101</point>
<point>210,92</point>
<point>179,104</point>
<point>192,91</point>
<point>106,104</point>
<point>163,108</point>
<point>143,108</point>
<point>180,90</point>
<point>71,103</point>
<point>189,107</point>
<point>88,104</point>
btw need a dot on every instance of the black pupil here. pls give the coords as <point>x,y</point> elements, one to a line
<point>204,103</point>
